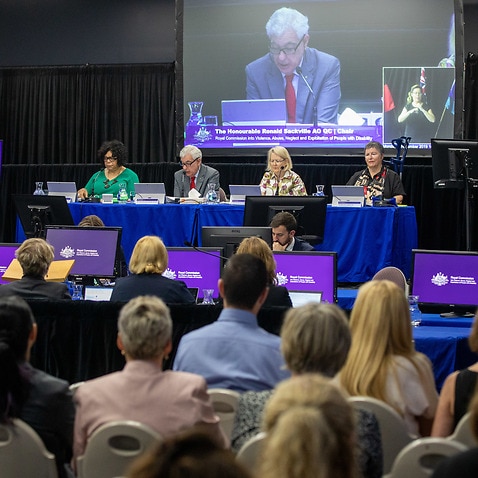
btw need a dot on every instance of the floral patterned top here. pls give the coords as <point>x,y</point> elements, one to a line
<point>290,184</point>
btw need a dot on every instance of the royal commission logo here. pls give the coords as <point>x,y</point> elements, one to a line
<point>282,279</point>
<point>440,279</point>
<point>170,274</point>
<point>67,252</point>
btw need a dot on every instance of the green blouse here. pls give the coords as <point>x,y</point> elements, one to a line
<point>99,185</point>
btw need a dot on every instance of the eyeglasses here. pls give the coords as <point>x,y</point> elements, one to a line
<point>277,161</point>
<point>187,163</point>
<point>109,159</point>
<point>276,51</point>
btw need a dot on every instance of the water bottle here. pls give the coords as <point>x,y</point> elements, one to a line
<point>122,193</point>
<point>415,313</point>
<point>39,189</point>
<point>211,195</point>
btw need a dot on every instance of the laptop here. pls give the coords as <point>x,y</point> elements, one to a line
<point>98,293</point>
<point>149,193</point>
<point>303,297</point>
<point>238,192</point>
<point>62,188</point>
<point>254,112</point>
<point>348,196</point>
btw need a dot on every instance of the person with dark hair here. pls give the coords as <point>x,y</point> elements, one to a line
<point>376,179</point>
<point>284,227</point>
<point>39,399</point>
<point>234,352</point>
<point>190,453</point>
<point>112,155</point>
<point>35,256</point>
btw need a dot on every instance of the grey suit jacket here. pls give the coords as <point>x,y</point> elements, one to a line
<point>206,175</point>
<point>322,71</point>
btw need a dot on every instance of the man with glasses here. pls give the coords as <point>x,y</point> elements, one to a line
<point>194,174</point>
<point>307,78</point>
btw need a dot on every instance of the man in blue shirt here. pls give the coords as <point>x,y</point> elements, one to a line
<point>234,352</point>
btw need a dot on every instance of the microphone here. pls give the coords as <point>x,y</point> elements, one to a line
<point>299,72</point>
<point>278,181</point>
<point>94,181</point>
<point>190,244</point>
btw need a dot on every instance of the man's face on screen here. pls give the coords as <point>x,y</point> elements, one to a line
<point>287,51</point>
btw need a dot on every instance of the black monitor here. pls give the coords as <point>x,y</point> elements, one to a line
<point>309,211</point>
<point>36,212</point>
<point>229,237</point>
<point>445,281</point>
<point>449,158</point>
<point>7,254</point>
<point>94,249</point>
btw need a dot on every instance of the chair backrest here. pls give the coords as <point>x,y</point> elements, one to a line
<point>463,433</point>
<point>23,454</point>
<point>420,458</point>
<point>222,195</point>
<point>75,386</point>
<point>113,447</point>
<point>394,433</point>
<point>249,453</point>
<point>225,403</point>
<point>393,274</point>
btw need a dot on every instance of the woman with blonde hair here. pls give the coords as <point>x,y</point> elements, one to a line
<point>279,179</point>
<point>310,431</point>
<point>382,362</point>
<point>278,295</point>
<point>148,262</point>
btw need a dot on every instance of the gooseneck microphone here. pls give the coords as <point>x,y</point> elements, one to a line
<point>299,72</point>
<point>190,244</point>
<point>94,181</point>
<point>278,181</point>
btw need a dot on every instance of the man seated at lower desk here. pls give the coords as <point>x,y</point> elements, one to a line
<point>234,352</point>
<point>284,227</point>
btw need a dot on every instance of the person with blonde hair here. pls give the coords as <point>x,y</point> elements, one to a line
<point>148,262</point>
<point>382,362</point>
<point>278,295</point>
<point>310,431</point>
<point>279,179</point>
<point>457,392</point>
<point>35,256</point>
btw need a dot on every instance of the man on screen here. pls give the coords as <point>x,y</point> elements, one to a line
<point>307,78</point>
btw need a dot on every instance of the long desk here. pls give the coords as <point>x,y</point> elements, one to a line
<point>366,239</point>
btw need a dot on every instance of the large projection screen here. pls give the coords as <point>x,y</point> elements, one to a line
<point>384,47</point>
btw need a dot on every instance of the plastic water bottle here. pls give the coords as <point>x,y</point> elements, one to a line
<point>415,313</point>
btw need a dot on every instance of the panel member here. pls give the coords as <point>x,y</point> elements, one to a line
<point>194,174</point>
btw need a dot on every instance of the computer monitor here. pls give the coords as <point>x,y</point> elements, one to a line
<point>445,281</point>
<point>229,237</point>
<point>309,211</point>
<point>449,157</point>
<point>308,271</point>
<point>199,268</point>
<point>36,212</point>
<point>7,254</point>
<point>94,249</point>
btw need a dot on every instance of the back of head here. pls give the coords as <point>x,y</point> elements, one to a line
<point>259,248</point>
<point>189,454</point>
<point>473,408</point>
<point>244,279</point>
<point>473,337</point>
<point>145,327</point>
<point>310,431</point>
<point>285,219</point>
<point>149,256</point>
<point>315,338</point>
<point>35,256</point>
<point>285,19</point>
<point>91,221</point>
<point>16,322</point>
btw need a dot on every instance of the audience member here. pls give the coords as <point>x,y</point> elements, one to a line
<point>148,262</point>
<point>35,256</point>
<point>166,401</point>
<point>465,464</point>
<point>278,295</point>
<point>279,179</point>
<point>457,392</point>
<point>42,401</point>
<point>376,179</point>
<point>113,156</point>
<point>315,339</point>
<point>191,454</point>
<point>382,362</point>
<point>284,228</point>
<point>310,431</point>
<point>91,221</point>
<point>234,352</point>
<point>194,174</point>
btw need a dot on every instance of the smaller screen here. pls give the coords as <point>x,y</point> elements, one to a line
<point>308,271</point>
<point>94,250</point>
<point>446,278</point>
<point>197,268</point>
<point>7,254</point>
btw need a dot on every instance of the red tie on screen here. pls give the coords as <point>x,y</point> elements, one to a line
<point>290,99</point>
<point>193,182</point>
